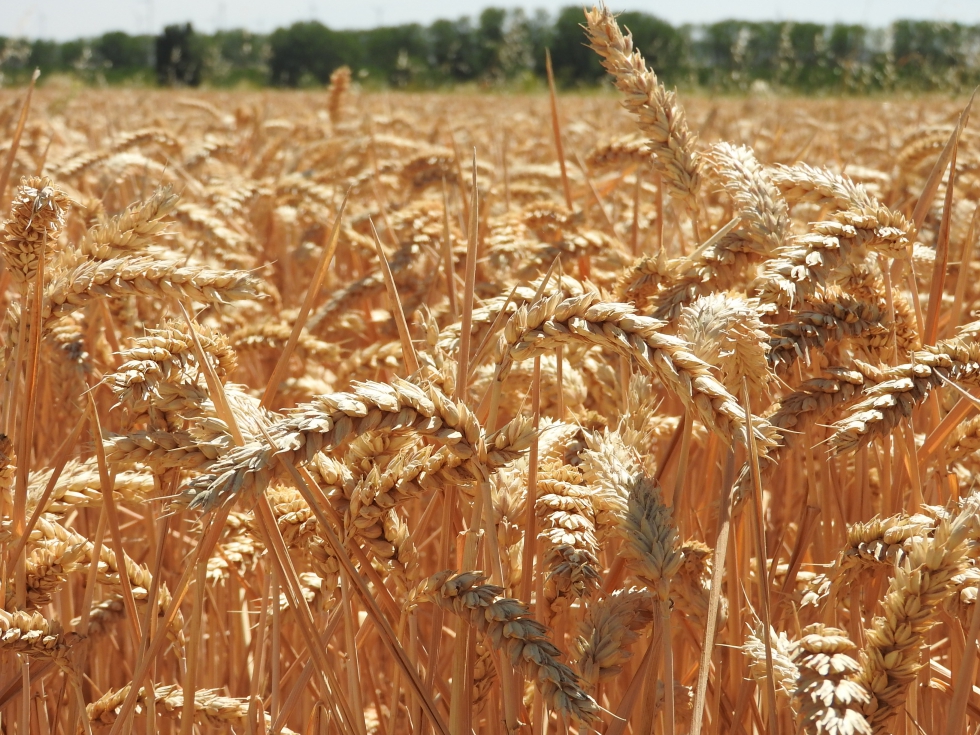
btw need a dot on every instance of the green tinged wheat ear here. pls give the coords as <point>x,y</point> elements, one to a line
<point>650,538</point>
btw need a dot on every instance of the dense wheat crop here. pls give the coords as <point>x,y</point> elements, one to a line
<point>365,413</point>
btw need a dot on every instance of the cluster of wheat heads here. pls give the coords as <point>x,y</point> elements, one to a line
<point>311,412</point>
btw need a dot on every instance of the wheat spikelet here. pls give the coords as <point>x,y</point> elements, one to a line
<point>785,671</point>
<point>830,701</point>
<point>611,625</point>
<point>567,521</point>
<point>133,230</point>
<point>8,470</point>
<point>922,582</point>
<point>238,550</point>
<point>829,319</point>
<point>641,428</point>
<point>363,288</point>
<point>30,634</point>
<point>880,543</point>
<point>429,167</point>
<point>691,585</point>
<point>37,216</point>
<point>103,616</point>
<point>51,534</point>
<point>339,87</point>
<point>619,153</point>
<point>270,337</point>
<point>804,183</point>
<point>163,450</point>
<point>370,513</point>
<point>799,410</point>
<point>84,161</point>
<point>764,215</point>
<point>720,267</point>
<point>48,568</point>
<point>650,538</point>
<point>159,371</point>
<point>816,258</point>
<point>921,145</point>
<point>645,278</point>
<point>79,486</point>
<point>966,586</point>
<point>893,399</point>
<point>210,709</point>
<point>964,441</point>
<point>146,277</point>
<point>64,350</point>
<point>726,331</point>
<point>553,322</point>
<point>332,420</point>
<point>511,630</point>
<point>659,114</point>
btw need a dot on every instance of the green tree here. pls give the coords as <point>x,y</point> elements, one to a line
<point>179,56</point>
<point>307,52</point>
<point>234,56</point>
<point>44,56</point>
<point>525,39</point>
<point>720,50</point>
<point>122,51</point>
<point>929,55</point>
<point>451,50</point>
<point>804,57</point>
<point>489,37</point>
<point>573,61</point>
<point>665,48</point>
<point>395,55</point>
<point>848,57</point>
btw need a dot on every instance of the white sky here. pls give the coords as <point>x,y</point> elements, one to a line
<point>66,19</point>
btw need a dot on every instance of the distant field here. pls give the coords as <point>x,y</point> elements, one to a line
<point>309,450</point>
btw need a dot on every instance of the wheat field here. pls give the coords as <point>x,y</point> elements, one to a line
<point>367,413</point>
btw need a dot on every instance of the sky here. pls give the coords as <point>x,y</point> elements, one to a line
<point>67,19</point>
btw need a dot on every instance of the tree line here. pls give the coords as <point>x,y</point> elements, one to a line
<point>506,48</point>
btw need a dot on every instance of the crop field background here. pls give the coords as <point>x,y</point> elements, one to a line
<point>379,413</point>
